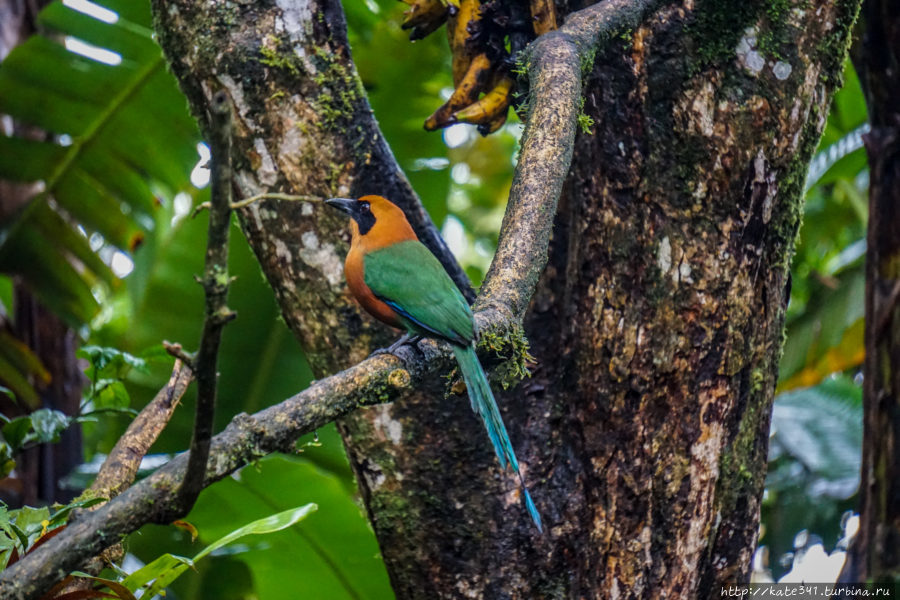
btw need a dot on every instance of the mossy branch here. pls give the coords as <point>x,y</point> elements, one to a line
<point>554,64</point>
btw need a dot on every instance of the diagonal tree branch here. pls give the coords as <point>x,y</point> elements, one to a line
<point>121,465</point>
<point>555,64</point>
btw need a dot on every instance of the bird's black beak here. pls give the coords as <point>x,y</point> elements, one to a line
<point>345,205</point>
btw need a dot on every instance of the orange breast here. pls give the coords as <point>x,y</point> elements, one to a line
<point>354,270</point>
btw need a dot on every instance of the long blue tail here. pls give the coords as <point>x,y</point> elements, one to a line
<point>484,405</point>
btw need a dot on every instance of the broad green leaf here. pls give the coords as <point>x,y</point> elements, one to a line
<point>263,526</point>
<point>16,432</point>
<point>21,536</point>
<point>109,362</point>
<point>43,425</point>
<point>39,245</point>
<point>821,429</point>
<point>111,393</point>
<point>153,570</point>
<point>269,524</point>
<point>333,555</point>
<point>22,357</point>
<point>117,132</point>
<point>48,424</point>
<point>29,522</point>
<point>20,387</point>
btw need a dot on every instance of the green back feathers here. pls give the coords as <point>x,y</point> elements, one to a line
<point>409,279</point>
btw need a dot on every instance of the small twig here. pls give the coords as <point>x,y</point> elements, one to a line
<point>178,352</point>
<point>215,286</point>
<point>267,196</point>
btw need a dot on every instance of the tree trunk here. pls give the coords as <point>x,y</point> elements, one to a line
<point>657,324</point>
<point>875,554</point>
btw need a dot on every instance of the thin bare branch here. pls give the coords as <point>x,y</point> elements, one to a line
<point>215,286</point>
<point>253,199</point>
<point>176,350</point>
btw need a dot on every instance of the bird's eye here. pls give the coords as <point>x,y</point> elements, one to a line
<point>364,207</point>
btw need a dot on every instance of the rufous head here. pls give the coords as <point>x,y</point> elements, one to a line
<point>376,218</point>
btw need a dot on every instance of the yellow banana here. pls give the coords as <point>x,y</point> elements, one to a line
<point>543,14</point>
<point>458,33</point>
<point>423,17</point>
<point>466,93</point>
<point>487,111</point>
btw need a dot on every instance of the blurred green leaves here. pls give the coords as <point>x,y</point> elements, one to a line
<point>117,140</point>
<point>22,527</point>
<point>824,320</point>
<point>19,367</point>
<point>816,442</point>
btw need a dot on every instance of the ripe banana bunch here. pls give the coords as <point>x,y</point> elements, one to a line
<point>485,38</point>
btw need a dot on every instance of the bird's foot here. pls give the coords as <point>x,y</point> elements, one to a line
<point>404,339</point>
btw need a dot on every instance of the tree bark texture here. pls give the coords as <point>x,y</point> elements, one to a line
<point>875,553</point>
<point>656,326</point>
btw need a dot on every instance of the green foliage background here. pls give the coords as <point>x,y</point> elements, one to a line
<point>118,159</point>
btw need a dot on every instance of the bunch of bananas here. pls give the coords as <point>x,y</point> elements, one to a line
<point>485,38</point>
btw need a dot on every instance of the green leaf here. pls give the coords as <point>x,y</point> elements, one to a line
<point>154,570</point>
<point>266,525</point>
<point>62,515</point>
<point>333,555</point>
<point>827,336</point>
<point>110,362</point>
<point>111,393</point>
<point>7,462</point>
<point>129,142</point>
<point>48,424</point>
<point>16,432</point>
<point>21,536</point>
<point>818,430</point>
<point>28,523</point>
<point>16,380</point>
<point>269,524</point>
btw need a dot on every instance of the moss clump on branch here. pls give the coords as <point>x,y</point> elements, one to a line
<point>510,344</point>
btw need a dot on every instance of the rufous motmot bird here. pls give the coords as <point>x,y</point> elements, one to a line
<point>401,283</point>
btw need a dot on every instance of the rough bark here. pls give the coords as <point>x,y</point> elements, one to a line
<point>875,554</point>
<point>656,326</point>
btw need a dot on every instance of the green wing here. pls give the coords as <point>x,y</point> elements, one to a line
<point>409,279</point>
